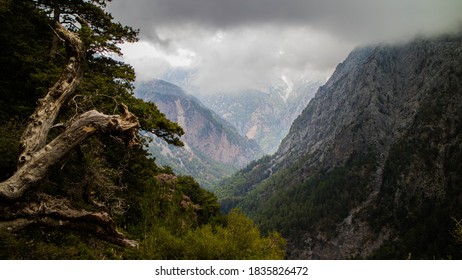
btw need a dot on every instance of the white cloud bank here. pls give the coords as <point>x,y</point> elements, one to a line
<point>240,44</point>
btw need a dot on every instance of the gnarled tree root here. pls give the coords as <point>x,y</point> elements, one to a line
<point>58,213</point>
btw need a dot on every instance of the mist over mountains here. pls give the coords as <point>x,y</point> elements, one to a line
<point>264,116</point>
<point>224,131</point>
<point>213,148</point>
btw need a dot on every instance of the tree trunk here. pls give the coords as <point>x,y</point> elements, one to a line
<point>55,39</point>
<point>41,121</point>
<point>85,125</point>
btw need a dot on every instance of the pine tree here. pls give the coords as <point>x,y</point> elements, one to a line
<point>85,89</point>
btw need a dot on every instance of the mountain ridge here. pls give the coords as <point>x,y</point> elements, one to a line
<point>341,168</point>
<point>263,115</point>
<point>214,145</point>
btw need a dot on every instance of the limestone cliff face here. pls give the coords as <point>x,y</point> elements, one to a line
<point>264,116</point>
<point>210,142</point>
<point>373,165</point>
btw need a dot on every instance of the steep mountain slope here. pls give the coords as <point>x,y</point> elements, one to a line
<point>213,148</point>
<point>264,116</point>
<point>372,168</point>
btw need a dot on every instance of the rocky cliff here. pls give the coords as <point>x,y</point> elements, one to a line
<point>372,168</point>
<point>264,116</point>
<point>213,148</point>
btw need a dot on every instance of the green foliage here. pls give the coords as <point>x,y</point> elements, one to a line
<point>244,180</point>
<point>238,239</point>
<point>292,205</point>
<point>9,145</point>
<point>319,202</point>
<point>457,232</point>
<point>46,244</point>
<point>179,220</point>
<point>26,71</point>
<point>106,34</point>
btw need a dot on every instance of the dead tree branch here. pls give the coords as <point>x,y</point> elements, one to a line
<point>58,213</point>
<point>41,121</point>
<point>34,170</point>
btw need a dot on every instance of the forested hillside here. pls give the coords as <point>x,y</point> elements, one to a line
<point>76,179</point>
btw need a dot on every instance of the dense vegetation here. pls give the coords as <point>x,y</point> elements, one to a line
<point>431,155</point>
<point>171,216</point>
<point>318,202</point>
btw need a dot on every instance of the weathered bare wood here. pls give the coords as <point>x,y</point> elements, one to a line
<point>41,121</point>
<point>55,39</point>
<point>35,169</point>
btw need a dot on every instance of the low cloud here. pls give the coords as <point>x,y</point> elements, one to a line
<point>230,45</point>
<point>357,19</point>
<point>245,59</point>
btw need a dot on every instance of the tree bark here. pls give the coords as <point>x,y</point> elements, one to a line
<point>39,163</point>
<point>55,39</point>
<point>41,121</point>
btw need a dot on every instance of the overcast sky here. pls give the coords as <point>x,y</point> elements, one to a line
<point>239,44</point>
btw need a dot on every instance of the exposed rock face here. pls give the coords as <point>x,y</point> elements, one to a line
<point>264,116</point>
<point>375,159</point>
<point>213,148</point>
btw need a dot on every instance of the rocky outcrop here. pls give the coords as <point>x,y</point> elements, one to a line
<point>213,148</point>
<point>263,116</point>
